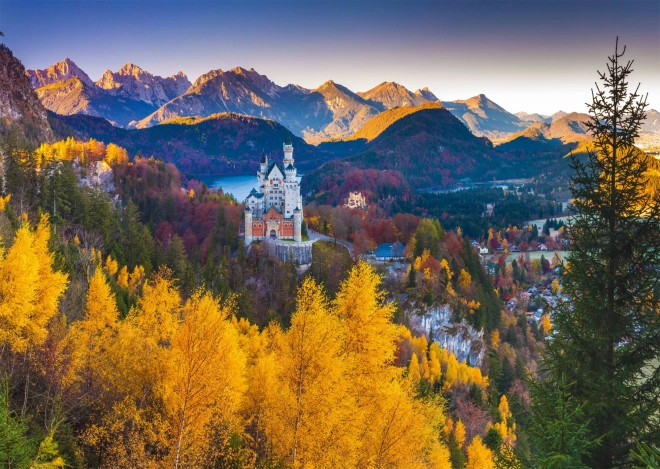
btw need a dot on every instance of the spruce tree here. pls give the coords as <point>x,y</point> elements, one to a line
<point>607,335</point>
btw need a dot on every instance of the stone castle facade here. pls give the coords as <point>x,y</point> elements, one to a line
<point>274,209</point>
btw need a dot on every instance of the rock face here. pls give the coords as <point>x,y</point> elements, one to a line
<point>132,82</point>
<point>60,71</point>
<point>461,339</point>
<point>20,107</point>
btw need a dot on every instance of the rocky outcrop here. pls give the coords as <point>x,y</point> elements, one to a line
<point>20,107</point>
<point>59,71</point>
<point>461,339</point>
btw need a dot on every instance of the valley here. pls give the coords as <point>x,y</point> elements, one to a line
<point>236,273</point>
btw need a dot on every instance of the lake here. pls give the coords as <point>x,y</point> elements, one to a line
<point>238,185</point>
<point>541,221</point>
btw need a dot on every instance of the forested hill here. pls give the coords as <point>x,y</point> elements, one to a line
<point>223,143</point>
<point>429,147</point>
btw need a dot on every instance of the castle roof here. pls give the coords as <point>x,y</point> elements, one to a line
<point>272,166</point>
<point>264,158</point>
<point>287,140</point>
<point>290,167</point>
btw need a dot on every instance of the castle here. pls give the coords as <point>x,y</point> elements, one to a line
<point>275,210</point>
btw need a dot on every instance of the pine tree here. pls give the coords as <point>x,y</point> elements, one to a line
<point>607,336</point>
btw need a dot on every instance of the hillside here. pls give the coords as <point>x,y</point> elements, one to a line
<point>484,117</point>
<point>388,95</point>
<point>224,143</point>
<point>652,122</point>
<point>378,124</point>
<point>565,131</point>
<point>425,147</point>
<point>20,108</point>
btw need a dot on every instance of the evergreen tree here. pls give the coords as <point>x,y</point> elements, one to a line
<point>16,449</point>
<point>607,336</point>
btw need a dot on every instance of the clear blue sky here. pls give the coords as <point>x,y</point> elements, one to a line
<point>534,55</point>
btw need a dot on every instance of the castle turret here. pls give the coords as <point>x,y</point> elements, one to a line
<point>264,162</point>
<point>248,226</point>
<point>288,151</point>
<point>297,225</point>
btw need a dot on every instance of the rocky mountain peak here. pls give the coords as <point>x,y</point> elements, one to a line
<point>135,83</point>
<point>426,94</point>
<point>59,71</point>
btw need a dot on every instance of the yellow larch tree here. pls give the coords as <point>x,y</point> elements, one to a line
<point>206,379</point>
<point>479,456</point>
<point>414,373</point>
<point>546,325</point>
<point>30,289</point>
<point>309,419</point>
<point>370,345</point>
<point>90,337</point>
<point>459,433</point>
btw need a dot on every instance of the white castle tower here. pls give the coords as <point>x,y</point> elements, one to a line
<point>274,209</point>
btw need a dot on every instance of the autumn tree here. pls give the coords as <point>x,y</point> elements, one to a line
<point>308,417</point>
<point>30,288</point>
<point>606,336</point>
<point>206,376</point>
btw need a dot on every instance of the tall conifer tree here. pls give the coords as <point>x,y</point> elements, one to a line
<point>607,335</point>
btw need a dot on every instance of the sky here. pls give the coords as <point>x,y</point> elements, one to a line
<point>526,55</point>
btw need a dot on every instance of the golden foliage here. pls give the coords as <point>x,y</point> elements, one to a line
<point>70,149</point>
<point>4,201</point>
<point>29,288</point>
<point>194,390</point>
<point>546,325</point>
<point>479,456</point>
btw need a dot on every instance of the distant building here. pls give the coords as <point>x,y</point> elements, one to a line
<point>356,200</point>
<point>274,210</point>
<point>388,252</point>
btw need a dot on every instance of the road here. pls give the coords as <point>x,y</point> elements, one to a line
<point>314,236</point>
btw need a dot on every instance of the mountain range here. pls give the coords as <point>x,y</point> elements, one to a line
<point>121,97</point>
<point>134,98</point>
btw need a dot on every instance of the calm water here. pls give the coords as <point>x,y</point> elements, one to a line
<point>238,185</point>
<point>541,221</point>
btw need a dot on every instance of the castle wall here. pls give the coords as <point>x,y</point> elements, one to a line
<point>300,252</point>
